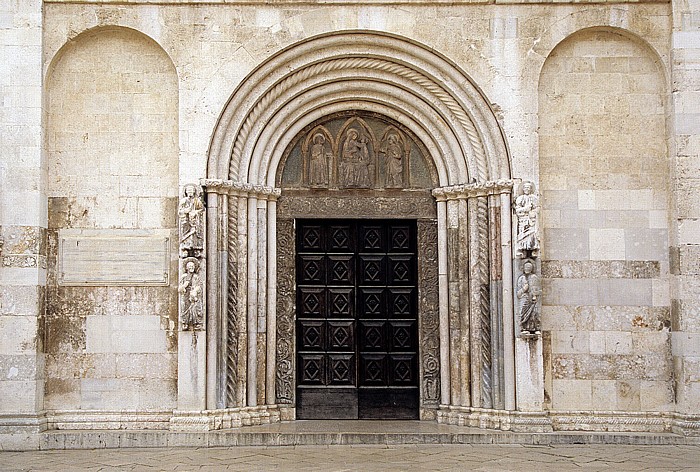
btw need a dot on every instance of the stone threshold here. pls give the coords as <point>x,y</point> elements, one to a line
<point>330,433</point>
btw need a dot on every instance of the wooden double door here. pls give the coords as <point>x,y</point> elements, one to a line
<point>357,319</point>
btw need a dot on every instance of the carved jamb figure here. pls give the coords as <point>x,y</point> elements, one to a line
<point>191,292</point>
<point>355,161</point>
<point>318,163</point>
<point>526,207</point>
<point>528,292</point>
<point>394,162</point>
<point>191,214</point>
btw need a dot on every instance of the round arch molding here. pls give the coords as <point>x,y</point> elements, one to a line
<point>425,91</point>
<point>248,300</point>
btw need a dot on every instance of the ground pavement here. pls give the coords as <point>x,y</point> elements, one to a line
<point>458,457</point>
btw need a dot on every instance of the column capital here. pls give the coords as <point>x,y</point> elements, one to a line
<point>481,189</point>
<point>240,189</point>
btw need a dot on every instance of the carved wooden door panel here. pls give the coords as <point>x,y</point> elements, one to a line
<point>357,320</point>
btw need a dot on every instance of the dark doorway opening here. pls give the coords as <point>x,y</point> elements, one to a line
<point>357,319</point>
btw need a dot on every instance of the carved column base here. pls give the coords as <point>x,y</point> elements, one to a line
<point>210,420</point>
<point>537,422</point>
<point>687,425</point>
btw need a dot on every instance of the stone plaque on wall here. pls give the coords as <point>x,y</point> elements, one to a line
<point>113,257</point>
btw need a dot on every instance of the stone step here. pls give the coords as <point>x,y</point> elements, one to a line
<point>306,433</point>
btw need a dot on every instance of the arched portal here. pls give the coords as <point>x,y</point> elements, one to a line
<point>466,197</point>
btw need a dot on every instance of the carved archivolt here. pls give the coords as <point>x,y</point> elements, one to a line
<point>403,73</point>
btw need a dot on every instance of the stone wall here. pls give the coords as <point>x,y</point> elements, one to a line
<point>111,124</point>
<point>604,174</point>
<point>22,222</point>
<point>685,234</point>
<point>134,89</point>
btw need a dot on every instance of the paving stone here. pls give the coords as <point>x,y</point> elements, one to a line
<point>371,458</point>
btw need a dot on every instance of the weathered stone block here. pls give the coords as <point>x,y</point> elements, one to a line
<point>572,394</point>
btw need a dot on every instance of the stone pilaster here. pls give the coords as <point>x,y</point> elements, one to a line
<point>685,229</point>
<point>23,218</point>
<point>192,340</point>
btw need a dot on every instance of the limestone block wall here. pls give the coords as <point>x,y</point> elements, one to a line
<point>22,220</point>
<point>606,196</point>
<point>111,139</point>
<point>604,174</point>
<point>685,236</point>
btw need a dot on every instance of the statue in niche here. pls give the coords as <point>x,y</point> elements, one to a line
<point>526,207</point>
<point>318,161</point>
<point>355,161</point>
<point>191,292</point>
<point>191,215</point>
<point>528,292</point>
<point>393,157</point>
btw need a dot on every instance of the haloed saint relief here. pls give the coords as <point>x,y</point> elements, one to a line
<point>319,157</point>
<point>356,152</point>
<point>394,152</point>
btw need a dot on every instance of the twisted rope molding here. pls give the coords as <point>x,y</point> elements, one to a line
<point>358,63</point>
<point>484,303</point>
<point>232,305</point>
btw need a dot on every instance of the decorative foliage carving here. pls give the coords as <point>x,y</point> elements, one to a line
<point>428,309</point>
<point>338,207</point>
<point>284,388</point>
<point>191,289</point>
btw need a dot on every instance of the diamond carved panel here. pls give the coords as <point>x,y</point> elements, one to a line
<point>311,369</point>
<point>341,335</point>
<point>400,239</point>
<point>341,369</point>
<point>312,302</point>
<point>312,269</point>
<point>372,269</point>
<point>372,302</point>
<point>341,302</point>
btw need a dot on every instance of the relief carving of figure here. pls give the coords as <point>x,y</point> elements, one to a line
<point>526,207</point>
<point>528,292</point>
<point>191,293</point>
<point>394,162</point>
<point>355,161</point>
<point>318,163</point>
<point>191,215</point>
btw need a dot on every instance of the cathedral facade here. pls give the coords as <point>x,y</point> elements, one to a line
<point>222,214</point>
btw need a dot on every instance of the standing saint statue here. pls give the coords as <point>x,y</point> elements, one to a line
<point>191,215</point>
<point>191,291</point>
<point>318,162</point>
<point>526,207</point>
<point>394,162</point>
<point>528,292</point>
